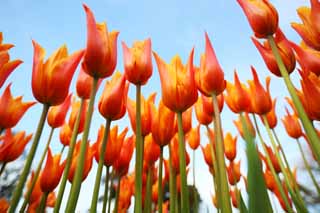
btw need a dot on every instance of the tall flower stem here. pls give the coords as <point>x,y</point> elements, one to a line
<point>139,155</point>
<point>76,184</point>
<point>3,166</point>
<point>147,201</point>
<point>306,123</point>
<point>36,175</point>
<point>172,184</point>
<point>69,159</point>
<point>106,190</point>
<point>111,185</point>
<point>224,194</point>
<point>195,196</point>
<point>306,164</point>
<point>160,193</point>
<point>43,201</point>
<point>23,177</point>
<point>116,204</point>
<point>95,195</point>
<point>182,166</point>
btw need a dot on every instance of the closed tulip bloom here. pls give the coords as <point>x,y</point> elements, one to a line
<point>6,66</point>
<point>75,108</point>
<point>138,62</point>
<point>84,84</point>
<point>186,120</point>
<point>121,165</point>
<point>230,146</point>
<point>206,151</point>
<point>260,98</point>
<point>100,58</point>
<point>12,146</point>
<point>179,91</point>
<point>112,104</point>
<point>65,134</point>
<point>146,116</point>
<point>240,128</point>
<point>285,50</point>
<point>162,127</point>
<point>237,97</point>
<point>271,116</point>
<point>273,158</point>
<point>51,172</point>
<point>262,16</point>
<point>151,150</point>
<point>11,109</point>
<point>204,110</point>
<point>233,171</point>
<point>307,30</point>
<point>292,125</point>
<point>193,137</point>
<point>51,78</point>
<point>175,154</point>
<point>269,179</point>
<point>57,114</point>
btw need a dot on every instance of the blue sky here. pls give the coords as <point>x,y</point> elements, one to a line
<point>174,27</point>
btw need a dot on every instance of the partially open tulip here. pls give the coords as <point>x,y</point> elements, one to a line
<point>162,127</point>
<point>230,146</point>
<point>112,104</point>
<point>233,171</point>
<point>193,137</point>
<point>12,145</point>
<point>11,109</point>
<point>285,50</point>
<point>175,154</point>
<point>179,91</point>
<point>273,158</point>
<point>57,114</point>
<point>100,58</point>
<point>237,97</point>
<point>51,172</point>
<point>151,150</point>
<point>250,126</point>
<point>75,108</point>
<point>206,151</point>
<point>292,125</point>
<point>146,116</point>
<point>269,179</point>
<point>65,134</point>
<point>262,16</point>
<point>261,102</point>
<point>6,66</point>
<point>138,62</point>
<point>210,77</point>
<point>51,78</point>
<point>204,110</point>
<point>121,165</point>
<point>84,84</point>
<point>271,115</point>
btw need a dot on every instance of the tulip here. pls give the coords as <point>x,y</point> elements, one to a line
<point>206,151</point>
<point>262,16</point>
<point>230,146</point>
<point>121,165</point>
<point>126,191</point>
<point>280,198</point>
<point>193,137</point>
<point>84,84</point>
<point>175,154</point>
<point>100,58</point>
<point>138,62</point>
<point>36,192</point>
<point>204,110</point>
<point>4,205</point>
<point>4,47</point>
<point>65,134</point>
<point>234,198</point>
<point>292,125</point>
<point>271,115</point>
<point>57,114</point>
<point>51,173</point>
<point>6,66</point>
<point>11,109</point>
<point>75,108</point>
<point>270,181</point>
<point>210,77</point>
<point>186,120</point>
<point>315,17</point>
<point>273,158</point>
<point>151,150</point>
<point>250,127</point>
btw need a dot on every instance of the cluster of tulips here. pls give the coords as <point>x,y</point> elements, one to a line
<point>166,124</point>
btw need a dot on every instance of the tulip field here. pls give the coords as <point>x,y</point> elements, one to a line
<point>163,141</point>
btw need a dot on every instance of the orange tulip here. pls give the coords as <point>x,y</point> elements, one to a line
<point>6,66</point>
<point>100,58</point>
<point>12,146</point>
<point>204,109</point>
<point>146,118</point>
<point>84,84</point>
<point>315,14</point>
<point>65,134</point>
<point>121,165</point>
<point>36,192</point>
<point>179,91</point>
<point>51,79</point>
<point>233,171</point>
<point>307,30</point>
<point>234,197</point>
<point>151,150</point>
<point>273,158</point>
<point>138,62</point>
<point>193,137</point>
<point>280,199</point>
<point>206,151</point>
<point>155,192</point>
<point>262,16</point>
<point>126,191</point>
<point>270,181</point>
<point>88,161</point>
<point>112,104</point>
<point>175,154</point>
<point>186,120</point>
<point>75,107</point>
<point>162,124</point>
<point>51,173</point>
<point>239,126</point>
<point>210,77</point>
<point>57,114</point>
<point>4,205</point>
<point>230,146</point>
<point>11,109</point>
<point>271,115</point>
<point>260,98</point>
<point>285,50</point>
<point>292,125</point>
<point>4,47</point>
<point>237,97</point>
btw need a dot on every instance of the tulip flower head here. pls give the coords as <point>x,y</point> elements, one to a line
<point>233,171</point>
<point>4,47</point>
<point>151,150</point>
<point>230,146</point>
<point>193,137</point>
<point>271,115</point>
<point>6,66</point>
<point>121,165</point>
<point>204,110</point>
<point>75,108</point>
<point>65,134</point>
<point>315,14</point>
<point>84,84</point>
<point>57,114</point>
<point>292,125</point>
<point>175,154</point>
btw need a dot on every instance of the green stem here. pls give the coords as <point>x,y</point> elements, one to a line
<point>139,154</point>
<point>106,190</point>
<point>42,206</point>
<point>77,180</point>
<point>195,196</point>
<point>224,194</point>
<point>172,184</point>
<point>102,149</point>
<point>117,196</point>
<point>36,175</point>
<point>182,166</point>
<point>306,164</point>
<point>306,123</point>
<point>147,201</point>
<point>110,198</point>
<point>160,193</point>
<point>3,166</point>
<point>23,177</point>
<point>69,159</point>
